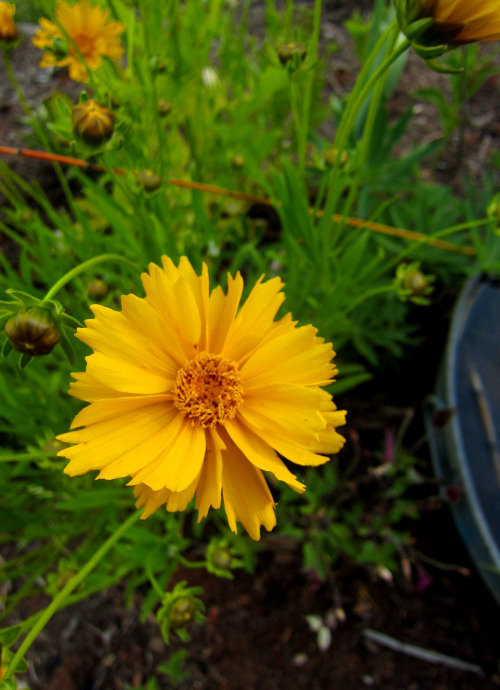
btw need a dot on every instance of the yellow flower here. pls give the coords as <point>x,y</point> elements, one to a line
<point>454,22</point>
<point>79,38</point>
<point>191,394</point>
<point>8,30</point>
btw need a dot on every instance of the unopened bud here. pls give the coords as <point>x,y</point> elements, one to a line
<point>416,283</point>
<point>182,612</point>
<point>92,121</point>
<point>97,289</point>
<point>221,558</point>
<point>149,180</point>
<point>290,50</point>
<point>164,107</point>
<point>33,331</point>
<point>331,155</point>
<point>237,161</point>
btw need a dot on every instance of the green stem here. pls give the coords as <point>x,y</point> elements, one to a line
<point>352,111</point>
<point>83,267</point>
<point>24,457</point>
<point>366,295</point>
<point>190,564</point>
<point>356,100</point>
<point>366,141</point>
<point>156,585</point>
<point>36,126</point>
<point>59,599</point>
<point>300,134</point>
<point>302,118</point>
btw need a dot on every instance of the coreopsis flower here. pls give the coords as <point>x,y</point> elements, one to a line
<point>79,38</point>
<point>431,24</point>
<point>192,394</point>
<point>8,30</point>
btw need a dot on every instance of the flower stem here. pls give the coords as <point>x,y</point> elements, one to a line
<point>356,100</point>
<point>58,600</point>
<point>36,126</point>
<point>83,267</point>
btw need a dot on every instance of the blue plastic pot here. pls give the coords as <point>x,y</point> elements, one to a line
<point>465,446</point>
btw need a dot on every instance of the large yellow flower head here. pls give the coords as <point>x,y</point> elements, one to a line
<point>79,38</point>
<point>449,22</point>
<point>8,30</point>
<point>192,394</point>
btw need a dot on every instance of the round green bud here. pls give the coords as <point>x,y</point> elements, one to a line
<point>182,612</point>
<point>287,51</point>
<point>33,331</point>
<point>149,180</point>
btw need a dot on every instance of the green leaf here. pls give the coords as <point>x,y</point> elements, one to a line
<point>24,360</point>
<point>10,635</point>
<point>7,347</point>
<point>67,346</point>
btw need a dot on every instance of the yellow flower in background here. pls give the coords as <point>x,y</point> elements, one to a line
<point>454,22</point>
<point>192,394</point>
<point>79,38</point>
<point>8,30</point>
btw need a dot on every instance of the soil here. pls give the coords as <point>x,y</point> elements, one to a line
<point>256,635</point>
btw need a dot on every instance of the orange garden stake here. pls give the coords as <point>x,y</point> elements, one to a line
<point>221,191</point>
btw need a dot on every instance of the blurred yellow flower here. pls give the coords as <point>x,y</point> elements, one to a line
<point>79,38</point>
<point>8,30</point>
<point>455,22</point>
<point>192,394</point>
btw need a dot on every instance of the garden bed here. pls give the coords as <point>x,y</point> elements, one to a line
<point>256,634</point>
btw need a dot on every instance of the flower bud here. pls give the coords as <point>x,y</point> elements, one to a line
<point>33,331</point>
<point>412,284</point>
<point>97,289</point>
<point>493,212</point>
<point>416,283</point>
<point>149,180</point>
<point>221,558</point>
<point>164,107</point>
<point>92,121</point>
<point>237,161</point>
<point>8,29</point>
<point>290,50</point>
<point>182,612</point>
<point>330,156</point>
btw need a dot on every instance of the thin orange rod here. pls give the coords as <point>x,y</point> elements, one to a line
<point>222,191</point>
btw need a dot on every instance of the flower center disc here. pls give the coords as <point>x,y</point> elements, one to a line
<point>86,46</point>
<point>208,390</point>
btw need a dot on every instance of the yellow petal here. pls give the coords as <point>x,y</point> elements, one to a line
<point>208,492</point>
<point>259,453</point>
<point>292,411</point>
<point>101,443</point>
<point>111,409</point>
<point>247,498</point>
<point>254,319</point>
<point>297,357</point>
<point>222,312</point>
<point>125,377</point>
<point>179,465</point>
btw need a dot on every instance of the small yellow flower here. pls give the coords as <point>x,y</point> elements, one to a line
<point>79,38</point>
<point>192,394</point>
<point>8,30</point>
<point>453,22</point>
